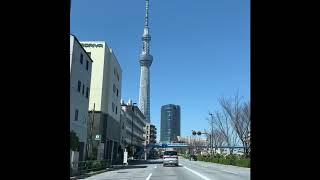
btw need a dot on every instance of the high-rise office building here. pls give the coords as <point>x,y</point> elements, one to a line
<point>170,123</point>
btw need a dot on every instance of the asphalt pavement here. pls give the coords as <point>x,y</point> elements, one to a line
<point>187,170</point>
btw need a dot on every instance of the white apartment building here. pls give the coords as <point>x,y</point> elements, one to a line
<point>133,136</point>
<point>104,104</point>
<point>80,81</point>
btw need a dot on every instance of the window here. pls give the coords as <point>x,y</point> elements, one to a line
<point>87,65</point>
<point>76,115</point>
<point>87,93</point>
<point>79,86</point>
<point>114,88</point>
<point>81,58</point>
<point>83,89</point>
<point>117,92</point>
<point>112,107</point>
<point>116,109</point>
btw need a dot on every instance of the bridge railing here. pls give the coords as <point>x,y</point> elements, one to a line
<point>187,145</point>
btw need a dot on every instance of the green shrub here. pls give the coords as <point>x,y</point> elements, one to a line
<point>243,163</point>
<point>234,159</point>
<point>88,165</point>
<point>96,165</point>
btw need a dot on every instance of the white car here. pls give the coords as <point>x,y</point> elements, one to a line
<point>170,158</point>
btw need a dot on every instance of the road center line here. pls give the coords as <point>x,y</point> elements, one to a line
<point>194,172</point>
<point>149,176</point>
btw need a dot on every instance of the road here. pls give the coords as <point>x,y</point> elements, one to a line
<point>187,170</point>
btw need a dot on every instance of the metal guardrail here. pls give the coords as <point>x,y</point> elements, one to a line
<point>82,167</point>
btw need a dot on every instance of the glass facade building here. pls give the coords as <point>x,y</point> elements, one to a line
<point>170,123</point>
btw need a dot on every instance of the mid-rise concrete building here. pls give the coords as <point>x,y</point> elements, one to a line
<point>80,82</point>
<point>133,124</point>
<point>150,139</point>
<point>150,133</point>
<point>104,105</point>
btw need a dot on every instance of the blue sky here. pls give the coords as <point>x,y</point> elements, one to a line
<point>201,50</point>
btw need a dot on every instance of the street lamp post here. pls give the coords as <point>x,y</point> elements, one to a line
<point>132,120</point>
<point>211,138</point>
<point>132,127</point>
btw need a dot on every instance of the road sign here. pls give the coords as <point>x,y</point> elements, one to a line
<point>98,137</point>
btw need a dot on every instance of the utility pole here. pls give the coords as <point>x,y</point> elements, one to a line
<point>91,127</point>
<point>132,128</point>
<point>211,122</point>
<point>90,139</point>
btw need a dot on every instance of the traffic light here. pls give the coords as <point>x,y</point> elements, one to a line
<point>199,133</point>
<point>194,133</point>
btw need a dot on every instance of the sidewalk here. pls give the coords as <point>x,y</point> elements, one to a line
<point>85,175</point>
<point>112,168</point>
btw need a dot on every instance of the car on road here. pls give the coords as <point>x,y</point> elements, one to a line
<point>170,157</point>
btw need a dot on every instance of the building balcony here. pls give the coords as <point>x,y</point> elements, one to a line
<point>153,136</point>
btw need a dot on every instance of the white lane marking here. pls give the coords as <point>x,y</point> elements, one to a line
<point>223,171</point>
<point>194,172</point>
<point>149,176</point>
<point>230,172</point>
<point>155,167</point>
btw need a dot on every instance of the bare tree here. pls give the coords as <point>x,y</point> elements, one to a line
<point>222,125</point>
<point>244,128</point>
<point>217,139</point>
<point>239,115</point>
<point>197,144</point>
<point>208,137</point>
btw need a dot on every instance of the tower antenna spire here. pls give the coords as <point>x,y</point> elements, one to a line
<point>146,19</point>
<point>145,61</point>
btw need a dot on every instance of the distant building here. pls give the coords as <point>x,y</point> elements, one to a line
<point>150,139</point>
<point>150,133</point>
<point>132,137</point>
<point>80,82</point>
<point>170,123</point>
<point>104,105</point>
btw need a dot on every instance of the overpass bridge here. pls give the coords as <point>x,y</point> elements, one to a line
<point>176,145</point>
<point>180,145</point>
